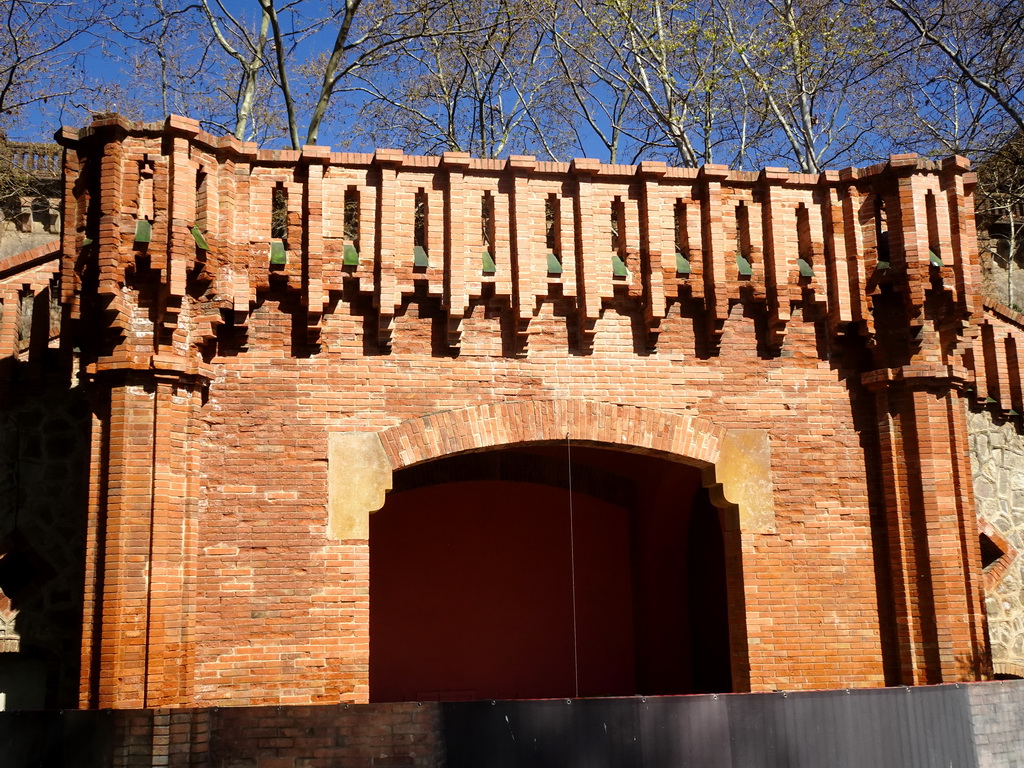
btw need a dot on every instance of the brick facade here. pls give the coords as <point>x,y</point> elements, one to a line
<point>231,308</point>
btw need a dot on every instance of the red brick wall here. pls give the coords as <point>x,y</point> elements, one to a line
<point>219,376</point>
<point>386,735</point>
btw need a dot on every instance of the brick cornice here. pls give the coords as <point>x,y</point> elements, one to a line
<point>30,258</point>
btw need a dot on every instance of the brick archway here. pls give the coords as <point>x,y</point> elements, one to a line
<point>735,463</point>
<point>670,436</point>
<point>676,437</point>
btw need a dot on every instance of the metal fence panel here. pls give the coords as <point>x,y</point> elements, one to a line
<point>928,727</point>
<point>685,731</point>
<point>555,733</point>
<point>69,739</point>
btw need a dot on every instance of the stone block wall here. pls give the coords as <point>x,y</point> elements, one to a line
<point>997,452</point>
<point>997,717</point>
<point>997,456</point>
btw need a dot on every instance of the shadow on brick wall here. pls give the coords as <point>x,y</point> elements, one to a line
<point>44,450</point>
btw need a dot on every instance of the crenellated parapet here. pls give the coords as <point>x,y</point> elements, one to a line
<point>996,359</point>
<point>174,233</point>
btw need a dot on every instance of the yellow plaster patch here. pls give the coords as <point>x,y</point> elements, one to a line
<point>744,471</point>
<point>358,477</point>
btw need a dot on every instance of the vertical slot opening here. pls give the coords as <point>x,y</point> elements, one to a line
<point>616,225</point>
<point>279,214</point>
<point>26,306</point>
<point>743,265</point>
<point>144,217</point>
<point>350,227</point>
<point>805,248</point>
<point>279,225</point>
<point>55,308</point>
<point>1013,375</point>
<point>200,217</point>
<point>553,233</point>
<point>882,235</point>
<point>199,213</point>
<point>146,190</point>
<point>618,237</point>
<point>87,195</point>
<point>351,220</point>
<point>487,232</point>
<point>682,238</point>
<point>988,346</point>
<point>934,251</point>
<point>420,225</point>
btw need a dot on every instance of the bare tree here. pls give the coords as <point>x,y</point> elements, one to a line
<point>669,74</point>
<point>480,80</point>
<point>366,34</point>
<point>43,46</point>
<point>248,50</point>
<point>1000,210</point>
<point>604,101</point>
<point>817,66</point>
<point>980,44</point>
<point>633,47</point>
<point>160,43</point>
<point>262,47</point>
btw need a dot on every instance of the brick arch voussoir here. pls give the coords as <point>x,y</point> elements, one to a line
<point>1008,668</point>
<point>678,437</point>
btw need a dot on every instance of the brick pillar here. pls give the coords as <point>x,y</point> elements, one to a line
<point>932,528</point>
<point>139,647</point>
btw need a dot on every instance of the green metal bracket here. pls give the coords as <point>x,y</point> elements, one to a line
<point>682,264</point>
<point>805,267</point>
<point>419,257</point>
<point>933,259</point>
<point>554,265</point>
<point>351,257</point>
<point>86,241</point>
<point>278,255</point>
<point>488,261</point>
<point>990,400</point>
<point>618,266</point>
<point>743,264</point>
<point>197,235</point>
<point>143,231</point>
<point>883,264</point>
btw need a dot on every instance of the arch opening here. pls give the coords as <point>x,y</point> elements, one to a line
<point>479,591</point>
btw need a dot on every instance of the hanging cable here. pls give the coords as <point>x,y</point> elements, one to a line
<point>572,565</point>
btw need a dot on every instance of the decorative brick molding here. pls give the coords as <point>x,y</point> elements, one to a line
<point>996,359</point>
<point>357,481</point>
<point>743,480</point>
<point>674,436</point>
<point>1008,668</point>
<point>30,258</point>
<point>995,572</point>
